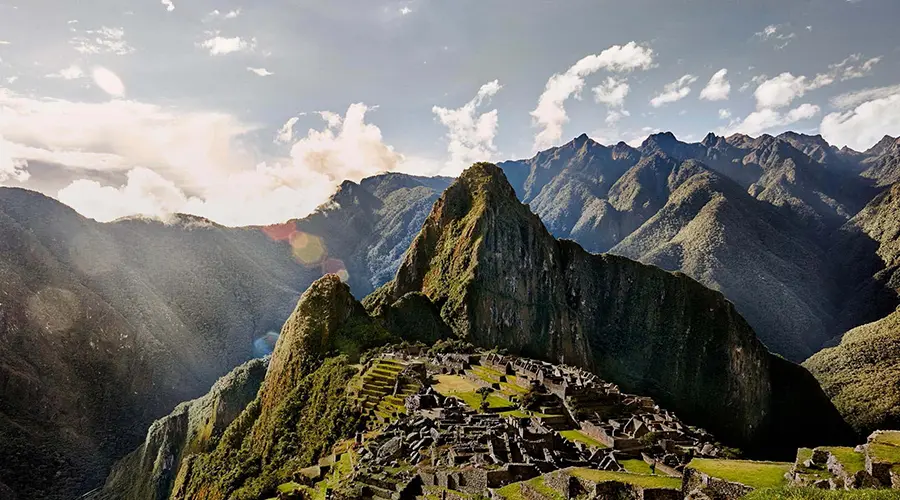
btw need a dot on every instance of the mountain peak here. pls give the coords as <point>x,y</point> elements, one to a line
<point>883,146</point>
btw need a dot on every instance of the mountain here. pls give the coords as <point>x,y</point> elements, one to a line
<point>862,374</point>
<point>105,327</point>
<point>500,279</point>
<point>303,407</point>
<point>883,162</point>
<point>747,216</point>
<point>194,427</point>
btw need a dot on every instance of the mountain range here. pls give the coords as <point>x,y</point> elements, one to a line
<point>105,327</point>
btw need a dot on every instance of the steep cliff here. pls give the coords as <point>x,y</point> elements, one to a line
<point>500,279</point>
<point>149,472</point>
<point>303,407</point>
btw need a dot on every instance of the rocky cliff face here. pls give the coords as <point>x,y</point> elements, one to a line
<point>148,473</point>
<point>500,279</point>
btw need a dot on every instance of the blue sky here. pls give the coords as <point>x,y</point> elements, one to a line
<point>151,107</point>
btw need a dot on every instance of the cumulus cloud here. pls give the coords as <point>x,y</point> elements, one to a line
<point>73,72</point>
<point>782,90</point>
<point>219,45</point>
<point>612,92</point>
<point>268,192</point>
<point>186,146</point>
<point>766,119</point>
<point>724,114</point>
<point>11,168</point>
<point>550,113</point>
<point>405,10</point>
<point>105,40</point>
<point>108,81</point>
<point>615,115</point>
<point>718,87</point>
<point>169,5</point>
<point>675,91</point>
<point>260,71</point>
<point>863,126</point>
<point>470,136</point>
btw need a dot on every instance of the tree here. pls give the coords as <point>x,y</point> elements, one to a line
<point>484,392</point>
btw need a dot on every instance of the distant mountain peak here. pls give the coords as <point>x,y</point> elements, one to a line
<point>883,146</point>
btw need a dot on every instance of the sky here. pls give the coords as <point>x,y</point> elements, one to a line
<point>253,112</point>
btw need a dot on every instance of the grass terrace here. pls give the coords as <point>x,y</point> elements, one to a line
<point>750,473</point>
<point>577,436</point>
<point>636,466</point>
<point>514,491</point>
<point>804,454</point>
<point>852,461</point>
<point>885,448</point>
<point>642,480</point>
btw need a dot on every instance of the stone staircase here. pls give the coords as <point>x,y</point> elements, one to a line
<point>381,394</point>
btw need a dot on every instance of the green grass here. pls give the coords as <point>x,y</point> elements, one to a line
<point>817,494</point>
<point>289,487</point>
<point>852,461</point>
<point>642,480</point>
<point>636,466</point>
<point>891,437</point>
<point>524,414</point>
<point>804,454</point>
<point>577,436</point>
<point>884,453</point>
<point>753,474</point>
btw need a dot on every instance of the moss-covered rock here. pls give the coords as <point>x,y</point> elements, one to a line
<point>500,279</point>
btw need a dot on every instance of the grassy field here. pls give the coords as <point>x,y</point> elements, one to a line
<point>642,480</point>
<point>580,437</point>
<point>817,494</point>
<point>464,389</point>
<point>753,474</point>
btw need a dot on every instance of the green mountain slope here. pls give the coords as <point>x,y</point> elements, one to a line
<point>500,279</point>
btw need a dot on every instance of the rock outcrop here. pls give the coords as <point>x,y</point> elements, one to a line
<point>500,279</point>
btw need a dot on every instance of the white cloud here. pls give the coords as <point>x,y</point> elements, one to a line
<point>863,126</point>
<point>102,41</point>
<point>233,14</point>
<point>612,92</point>
<point>270,192</point>
<point>12,79</point>
<point>4,42</point>
<point>724,114</point>
<point>260,71</point>
<point>470,136</point>
<point>187,146</point>
<point>221,45</point>
<point>169,5</point>
<point>286,133</point>
<point>718,87</point>
<point>108,81</point>
<point>10,167</point>
<point>675,91</point>
<point>73,72</point>
<point>857,97</point>
<point>405,10</point>
<point>766,119</point>
<point>778,33</point>
<point>781,91</point>
<point>615,115</point>
<point>550,113</point>
<point>331,118</point>
<point>145,193</point>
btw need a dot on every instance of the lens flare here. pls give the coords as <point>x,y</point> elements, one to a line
<point>265,345</point>
<point>280,232</point>
<point>308,249</point>
<point>336,266</point>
